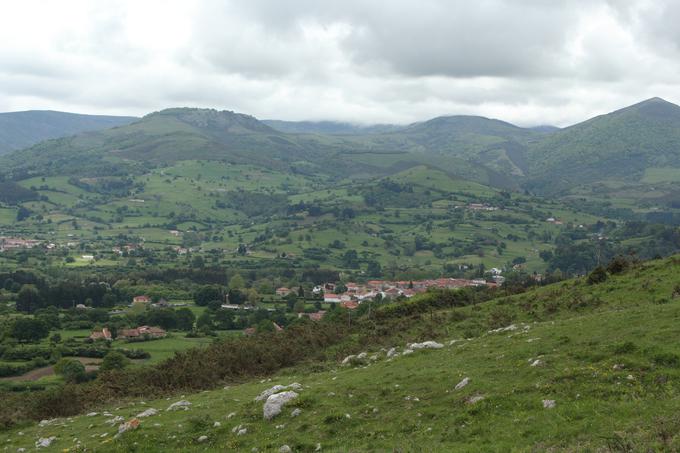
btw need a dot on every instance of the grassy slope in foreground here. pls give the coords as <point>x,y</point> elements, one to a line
<point>578,332</point>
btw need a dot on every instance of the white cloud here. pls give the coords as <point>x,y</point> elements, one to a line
<point>530,62</point>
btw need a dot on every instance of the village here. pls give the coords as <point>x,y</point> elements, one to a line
<point>350,295</point>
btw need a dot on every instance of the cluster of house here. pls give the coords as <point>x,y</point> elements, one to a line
<point>138,333</point>
<point>554,221</point>
<point>481,207</point>
<point>10,243</point>
<point>126,248</point>
<point>357,293</point>
<point>162,303</point>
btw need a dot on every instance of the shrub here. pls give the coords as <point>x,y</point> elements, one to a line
<point>70,369</point>
<point>598,275</point>
<point>499,317</point>
<point>617,265</point>
<point>114,360</point>
<point>667,359</point>
<point>625,348</point>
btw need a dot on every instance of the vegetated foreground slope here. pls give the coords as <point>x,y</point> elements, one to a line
<point>567,367</point>
<point>22,129</point>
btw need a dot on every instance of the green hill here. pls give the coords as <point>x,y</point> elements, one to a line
<point>568,367</point>
<point>621,145</point>
<point>22,129</point>
<point>173,135</point>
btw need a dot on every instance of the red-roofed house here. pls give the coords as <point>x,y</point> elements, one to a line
<point>283,291</point>
<point>141,332</point>
<point>141,300</point>
<point>104,334</point>
<point>350,305</point>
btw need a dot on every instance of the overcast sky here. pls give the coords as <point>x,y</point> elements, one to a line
<point>371,61</point>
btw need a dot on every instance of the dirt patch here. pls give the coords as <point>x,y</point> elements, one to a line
<point>91,364</point>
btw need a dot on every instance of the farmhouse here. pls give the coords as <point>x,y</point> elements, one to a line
<point>283,291</point>
<point>104,334</point>
<point>350,305</point>
<point>141,333</point>
<point>141,300</point>
<point>332,298</point>
<point>318,316</point>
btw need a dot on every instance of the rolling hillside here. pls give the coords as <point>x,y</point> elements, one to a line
<point>23,129</point>
<point>568,367</point>
<point>622,146</point>
<point>173,135</point>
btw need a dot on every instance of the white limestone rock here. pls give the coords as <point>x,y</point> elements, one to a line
<point>274,404</point>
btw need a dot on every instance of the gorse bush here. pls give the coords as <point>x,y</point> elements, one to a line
<point>598,275</point>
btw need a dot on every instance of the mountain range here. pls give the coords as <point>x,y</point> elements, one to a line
<point>617,148</point>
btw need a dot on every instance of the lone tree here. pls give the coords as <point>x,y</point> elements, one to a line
<point>70,369</point>
<point>114,360</point>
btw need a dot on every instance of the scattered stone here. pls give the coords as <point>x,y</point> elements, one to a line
<point>618,367</point>
<point>548,404</point>
<point>348,359</point>
<point>318,447</point>
<point>462,383</point>
<point>509,328</point>
<point>49,422</point>
<point>280,426</point>
<point>236,429</point>
<point>392,353</point>
<point>104,435</point>
<point>348,416</point>
<point>474,399</point>
<point>114,420</point>
<point>233,414</point>
<point>407,352</point>
<point>274,404</point>
<point>242,432</point>
<point>183,405</point>
<point>426,345</point>
<point>203,438</point>
<point>150,412</point>
<point>128,426</point>
<point>630,377</point>
<point>285,449</point>
<point>296,412</point>
<point>362,356</point>
<point>44,442</point>
<point>536,362</point>
<point>277,389</point>
<point>92,414</point>
<point>21,450</point>
<point>217,424</point>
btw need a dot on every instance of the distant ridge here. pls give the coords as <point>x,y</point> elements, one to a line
<point>23,129</point>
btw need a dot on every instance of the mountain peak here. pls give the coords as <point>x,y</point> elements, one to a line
<point>225,120</point>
